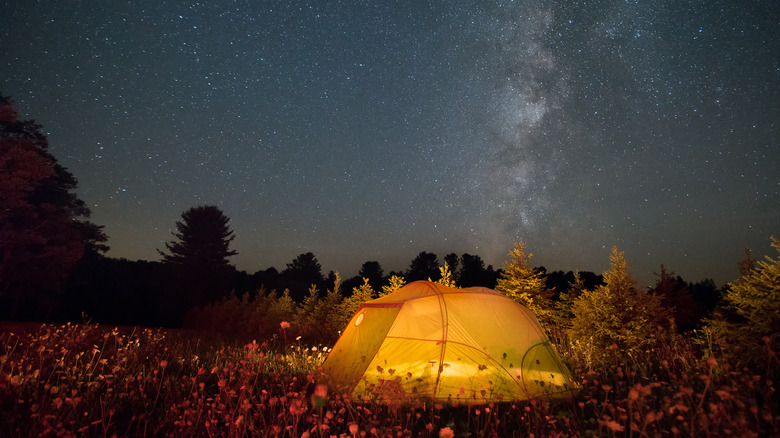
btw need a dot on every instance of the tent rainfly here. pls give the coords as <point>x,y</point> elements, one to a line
<point>427,341</point>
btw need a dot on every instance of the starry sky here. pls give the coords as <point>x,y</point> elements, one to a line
<point>373,130</point>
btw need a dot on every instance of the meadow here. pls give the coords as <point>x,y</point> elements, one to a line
<point>77,380</point>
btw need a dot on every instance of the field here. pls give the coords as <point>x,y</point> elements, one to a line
<point>91,380</point>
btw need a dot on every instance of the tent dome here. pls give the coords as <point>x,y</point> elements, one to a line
<point>429,341</point>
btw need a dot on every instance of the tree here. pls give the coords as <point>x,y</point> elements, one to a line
<point>566,297</point>
<point>453,262</point>
<point>616,321</point>
<point>350,304</point>
<point>198,258</point>
<point>43,226</point>
<point>677,299</point>
<point>203,240</point>
<point>472,272</point>
<point>394,283</point>
<point>707,295</point>
<point>373,271</point>
<point>424,266</point>
<point>445,276</point>
<point>300,274</point>
<point>526,285</point>
<point>753,334</point>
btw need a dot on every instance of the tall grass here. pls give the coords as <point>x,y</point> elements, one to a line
<point>90,380</point>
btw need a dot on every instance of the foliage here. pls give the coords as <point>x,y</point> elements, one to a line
<point>677,299</point>
<point>394,283</point>
<point>473,272</point>
<point>203,240</point>
<point>563,307</point>
<point>453,261</point>
<point>446,276</point>
<point>43,226</point>
<point>318,319</point>
<point>617,321</point>
<point>88,380</point>
<point>753,335</point>
<point>526,285</point>
<point>197,259</point>
<point>424,266</point>
<point>374,272</point>
<point>301,273</point>
<point>350,304</point>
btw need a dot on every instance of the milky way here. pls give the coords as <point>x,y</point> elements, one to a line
<point>376,130</point>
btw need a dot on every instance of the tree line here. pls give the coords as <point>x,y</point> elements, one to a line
<point>53,267</point>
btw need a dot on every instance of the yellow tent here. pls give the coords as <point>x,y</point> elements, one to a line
<point>428,341</point>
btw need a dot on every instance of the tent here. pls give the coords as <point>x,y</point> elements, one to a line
<point>432,342</point>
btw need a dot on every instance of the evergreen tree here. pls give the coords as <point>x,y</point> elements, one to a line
<point>753,336</point>
<point>374,272</point>
<point>575,288</point>
<point>43,226</point>
<point>300,274</point>
<point>616,321</point>
<point>677,299</point>
<point>424,266</point>
<point>526,285</point>
<point>446,276</point>
<point>453,262</point>
<point>350,305</point>
<point>198,259</point>
<point>473,272</point>
<point>203,240</point>
<point>394,283</point>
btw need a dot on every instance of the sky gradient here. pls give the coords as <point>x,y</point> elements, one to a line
<point>375,130</point>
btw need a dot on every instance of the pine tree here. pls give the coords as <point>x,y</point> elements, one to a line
<point>617,320</point>
<point>301,273</point>
<point>753,337</point>
<point>563,312</point>
<point>526,285</point>
<point>446,276</point>
<point>203,240</point>
<point>423,267</point>
<point>395,282</point>
<point>350,305</point>
<point>198,259</point>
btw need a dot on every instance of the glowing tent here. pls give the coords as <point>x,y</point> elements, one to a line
<point>428,341</point>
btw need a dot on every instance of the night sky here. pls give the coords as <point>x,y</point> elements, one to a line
<point>373,130</point>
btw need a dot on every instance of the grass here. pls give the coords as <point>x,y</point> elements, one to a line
<point>90,380</point>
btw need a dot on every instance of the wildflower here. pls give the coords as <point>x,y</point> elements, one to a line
<point>163,363</point>
<point>285,325</point>
<point>446,432</point>
<point>612,425</point>
<point>353,428</point>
